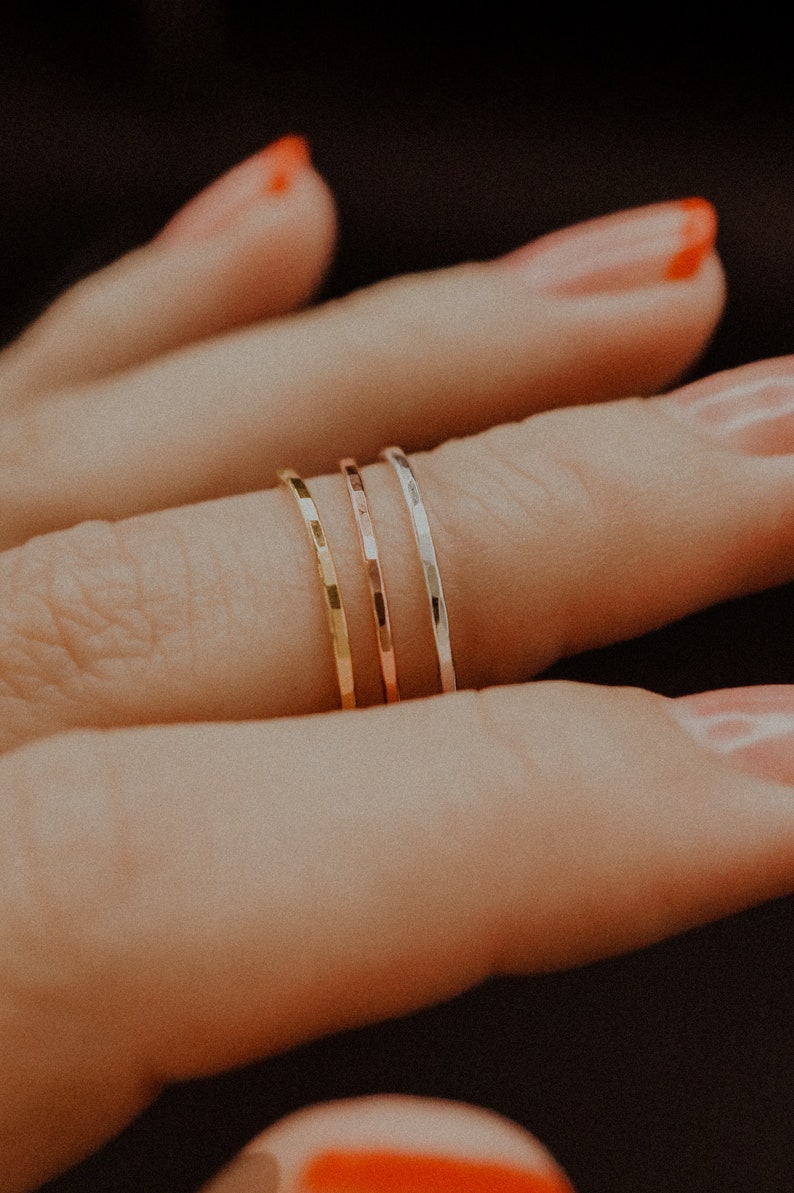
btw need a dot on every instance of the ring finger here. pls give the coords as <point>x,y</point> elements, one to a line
<point>574,528</point>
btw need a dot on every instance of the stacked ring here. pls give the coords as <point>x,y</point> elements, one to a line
<point>334,607</point>
<point>335,610</point>
<point>427,553</point>
<point>377,591</point>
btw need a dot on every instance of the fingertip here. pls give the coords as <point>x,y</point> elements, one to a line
<point>625,250</point>
<point>690,309</point>
<point>399,1144</point>
<point>642,341</point>
<point>751,729</point>
<point>291,155</point>
<point>253,245</point>
<point>272,171</point>
<point>642,289</point>
<point>697,237</point>
<point>267,226</point>
<point>275,257</point>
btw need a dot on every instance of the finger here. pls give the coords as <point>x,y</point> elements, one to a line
<point>393,1145</point>
<point>573,529</point>
<point>175,901</point>
<point>252,245</point>
<point>414,360</point>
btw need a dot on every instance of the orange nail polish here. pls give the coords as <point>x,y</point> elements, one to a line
<point>272,171</point>
<point>698,232</point>
<point>285,159</point>
<point>398,1172</point>
<point>631,249</point>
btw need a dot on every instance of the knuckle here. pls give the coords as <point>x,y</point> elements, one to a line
<point>75,606</point>
<point>547,488</point>
<point>504,499</point>
<point>519,490</point>
<point>66,861</point>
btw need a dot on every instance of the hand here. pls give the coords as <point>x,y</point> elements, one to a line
<point>186,884</point>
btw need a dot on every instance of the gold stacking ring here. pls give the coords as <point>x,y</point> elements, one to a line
<point>335,610</point>
<point>377,591</point>
<point>334,607</point>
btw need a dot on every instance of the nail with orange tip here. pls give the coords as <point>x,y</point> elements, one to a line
<point>267,174</point>
<point>631,249</point>
<point>697,234</point>
<point>398,1172</point>
<point>285,159</point>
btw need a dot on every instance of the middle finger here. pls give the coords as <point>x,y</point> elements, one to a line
<point>572,529</point>
<point>626,304</point>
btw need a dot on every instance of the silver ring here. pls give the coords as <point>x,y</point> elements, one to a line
<point>427,553</point>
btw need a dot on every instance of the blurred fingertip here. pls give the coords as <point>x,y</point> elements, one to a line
<point>397,1144</point>
<point>267,174</point>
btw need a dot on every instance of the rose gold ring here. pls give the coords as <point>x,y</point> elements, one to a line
<point>377,590</point>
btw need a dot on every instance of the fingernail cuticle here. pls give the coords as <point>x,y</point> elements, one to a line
<point>399,1172</point>
<point>630,249</point>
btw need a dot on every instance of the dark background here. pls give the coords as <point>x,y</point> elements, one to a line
<point>666,1071</point>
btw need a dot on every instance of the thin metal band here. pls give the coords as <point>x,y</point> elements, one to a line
<point>377,591</point>
<point>427,554</point>
<point>335,610</point>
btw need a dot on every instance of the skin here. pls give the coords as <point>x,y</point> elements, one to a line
<point>158,607</point>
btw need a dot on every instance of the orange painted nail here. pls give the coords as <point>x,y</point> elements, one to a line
<point>284,159</point>
<point>697,234</point>
<point>398,1172</point>
<point>642,247</point>
<point>271,172</point>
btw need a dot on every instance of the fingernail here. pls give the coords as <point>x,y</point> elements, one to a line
<point>751,728</point>
<point>252,1172</point>
<point>271,172</point>
<point>750,409</point>
<point>400,1172</point>
<point>664,242</point>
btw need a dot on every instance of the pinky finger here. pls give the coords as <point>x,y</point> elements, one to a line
<point>252,245</point>
<point>393,1145</point>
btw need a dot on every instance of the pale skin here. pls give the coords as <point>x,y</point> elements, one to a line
<point>186,883</point>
